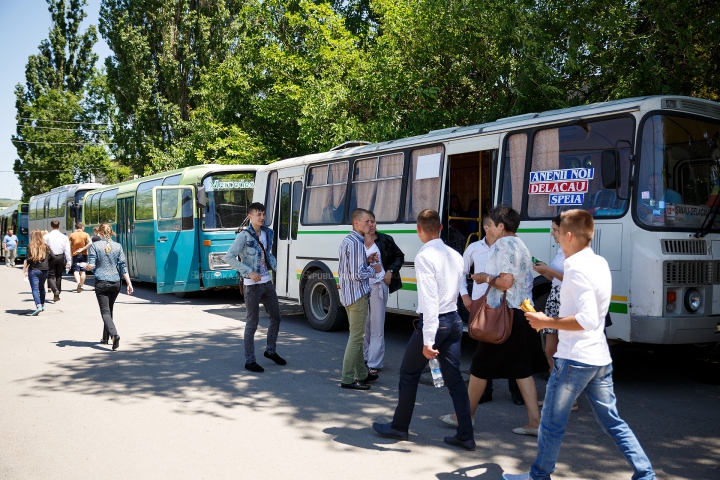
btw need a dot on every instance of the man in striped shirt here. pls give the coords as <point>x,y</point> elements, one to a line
<point>354,272</point>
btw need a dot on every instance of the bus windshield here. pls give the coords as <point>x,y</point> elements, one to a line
<point>679,172</point>
<point>228,197</point>
<point>23,224</point>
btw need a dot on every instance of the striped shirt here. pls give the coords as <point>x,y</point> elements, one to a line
<point>353,270</point>
<point>107,265</point>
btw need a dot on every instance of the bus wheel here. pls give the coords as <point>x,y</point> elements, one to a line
<point>322,304</point>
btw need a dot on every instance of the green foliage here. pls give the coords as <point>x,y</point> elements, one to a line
<point>56,140</point>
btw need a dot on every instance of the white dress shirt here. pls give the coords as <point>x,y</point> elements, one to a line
<point>58,243</point>
<point>476,254</point>
<point>438,270</point>
<point>585,293</point>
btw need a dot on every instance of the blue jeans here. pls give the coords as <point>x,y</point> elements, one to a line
<point>567,380</point>
<point>447,341</point>
<point>37,283</point>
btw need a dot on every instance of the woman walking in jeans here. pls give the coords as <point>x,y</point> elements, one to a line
<point>36,268</point>
<point>107,259</point>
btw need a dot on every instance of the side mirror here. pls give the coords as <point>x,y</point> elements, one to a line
<point>201,197</point>
<point>608,163</point>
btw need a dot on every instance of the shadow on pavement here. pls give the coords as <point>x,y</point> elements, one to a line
<point>201,373</point>
<point>23,312</point>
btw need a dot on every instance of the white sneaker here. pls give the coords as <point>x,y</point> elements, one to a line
<point>516,476</point>
<point>453,423</point>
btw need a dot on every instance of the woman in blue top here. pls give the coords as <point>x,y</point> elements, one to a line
<point>107,259</point>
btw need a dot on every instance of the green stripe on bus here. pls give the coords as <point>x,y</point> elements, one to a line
<point>412,287</point>
<point>618,307</point>
<point>321,232</point>
<point>533,230</point>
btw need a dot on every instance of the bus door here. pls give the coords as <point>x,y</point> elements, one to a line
<point>177,263</point>
<point>288,217</point>
<point>126,233</point>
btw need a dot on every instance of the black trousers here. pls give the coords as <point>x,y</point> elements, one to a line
<point>55,272</point>
<point>106,294</point>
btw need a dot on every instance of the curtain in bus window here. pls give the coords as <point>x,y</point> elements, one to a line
<point>270,198</point>
<point>514,170</point>
<point>425,183</point>
<point>381,194</point>
<point>325,196</point>
<point>545,156</point>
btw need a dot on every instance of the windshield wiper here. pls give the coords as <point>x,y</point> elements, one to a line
<point>709,218</point>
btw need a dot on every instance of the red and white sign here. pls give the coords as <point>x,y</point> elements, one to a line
<point>545,188</point>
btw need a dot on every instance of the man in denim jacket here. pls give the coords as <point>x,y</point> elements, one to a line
<point>250,255</point>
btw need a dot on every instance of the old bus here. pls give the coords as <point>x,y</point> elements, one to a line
<point>15,217</point>
<point>61,203</point>
<point>648,169</point>
<point>176,226</point>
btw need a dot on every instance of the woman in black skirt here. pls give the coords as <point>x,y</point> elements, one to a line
<point>521,355</point>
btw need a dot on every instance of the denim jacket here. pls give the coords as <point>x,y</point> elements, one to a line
<point>247,248</point>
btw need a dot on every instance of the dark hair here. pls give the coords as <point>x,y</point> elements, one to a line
<point>54,224</point>
<point>580,223</point>
<point>256,207</point>
<point>507,216</point>
<point>79,226</point>
<point>429,221</point>
<point>357,214</point>
<point>486,220</point>
<point>557,220</point>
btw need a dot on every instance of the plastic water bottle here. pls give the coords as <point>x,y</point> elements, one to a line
<point>436,373</point>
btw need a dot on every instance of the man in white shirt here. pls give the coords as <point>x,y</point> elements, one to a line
<point>582,361</point>
<point>60,257</point>
<point>438,331</point>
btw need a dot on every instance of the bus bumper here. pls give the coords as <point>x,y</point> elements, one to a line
<point>22,252</point>
<point>220,278</point>
<point>675,330</point>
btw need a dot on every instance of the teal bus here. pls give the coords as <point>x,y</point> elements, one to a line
<point>176,226</point>
<point>15,217</point>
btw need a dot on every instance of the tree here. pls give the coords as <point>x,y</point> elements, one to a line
<point>56,140</point>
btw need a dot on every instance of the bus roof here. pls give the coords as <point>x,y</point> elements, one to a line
<point>686,104</point>
<point>190,175</point>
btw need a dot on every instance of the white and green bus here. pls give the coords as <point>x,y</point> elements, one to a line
<point>646,168</point>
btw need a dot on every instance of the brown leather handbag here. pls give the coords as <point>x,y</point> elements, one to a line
<point>488,324</point>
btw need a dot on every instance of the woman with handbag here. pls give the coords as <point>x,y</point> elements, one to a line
<point>517,352</point>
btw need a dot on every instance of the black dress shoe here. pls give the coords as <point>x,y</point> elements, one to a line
<point>486,397</point>
<point>466,444</point>
<point>355,385</point>
<point>105,340</point>
<point>275,358</point>
<point>517,398</point>
<point>116,342</point>
<point>254,367</point>
<point>386,430</point>
<point>370,378</point>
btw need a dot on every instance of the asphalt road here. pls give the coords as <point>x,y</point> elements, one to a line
<point>175,401</point>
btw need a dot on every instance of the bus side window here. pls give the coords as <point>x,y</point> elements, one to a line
<point>514,170</point>
<point>423,189</point>
<point>188,222</point>
<point>270,198</point>
<point>325,194</point>
<point>377,186</point>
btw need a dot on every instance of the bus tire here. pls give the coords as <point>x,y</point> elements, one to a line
<point>321,303</point>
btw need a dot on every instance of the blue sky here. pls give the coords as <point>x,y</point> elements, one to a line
<point>23,25</point>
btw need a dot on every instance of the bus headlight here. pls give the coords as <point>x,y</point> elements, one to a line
<point>692,300</point>
<point>216,261</point>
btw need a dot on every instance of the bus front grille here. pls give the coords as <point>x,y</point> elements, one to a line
<point>691,272</point>
<point>684,247</point>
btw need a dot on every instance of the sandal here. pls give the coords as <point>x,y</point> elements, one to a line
<point>374,371</point>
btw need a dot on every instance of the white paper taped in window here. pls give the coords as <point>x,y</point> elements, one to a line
<point>428,166</point>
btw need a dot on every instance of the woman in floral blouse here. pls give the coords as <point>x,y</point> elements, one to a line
<point>521,355</point>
